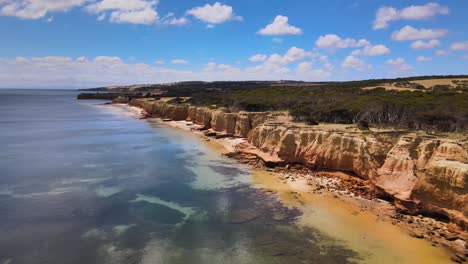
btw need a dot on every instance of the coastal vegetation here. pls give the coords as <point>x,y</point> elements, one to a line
<point>445,110</point>
<point>441,107</point>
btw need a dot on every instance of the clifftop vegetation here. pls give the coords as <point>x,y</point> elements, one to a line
<point>431,109</point>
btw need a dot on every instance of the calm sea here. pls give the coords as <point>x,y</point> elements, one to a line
<point>85,183</point>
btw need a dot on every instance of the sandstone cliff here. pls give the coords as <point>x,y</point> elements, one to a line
<point>419,171</point>
<point>409,167</point>
<point>217,120</point>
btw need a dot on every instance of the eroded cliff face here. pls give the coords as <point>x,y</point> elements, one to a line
<point>407,166</point>
<point>218,120</point>
<point>161,109</point>
<point>410,167</point>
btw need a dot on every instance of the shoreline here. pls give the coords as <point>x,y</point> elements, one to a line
<point>298,185</point>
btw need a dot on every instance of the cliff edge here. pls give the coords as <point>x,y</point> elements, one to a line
<point>421,173</point>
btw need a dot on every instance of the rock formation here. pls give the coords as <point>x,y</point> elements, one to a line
<point>424,174</point>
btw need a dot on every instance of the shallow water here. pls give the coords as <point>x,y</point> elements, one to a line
<point>83,183</point>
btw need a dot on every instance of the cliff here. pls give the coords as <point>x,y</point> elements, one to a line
<point>217,120</point>
<point>423,173</point>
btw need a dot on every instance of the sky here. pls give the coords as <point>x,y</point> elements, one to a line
<point>91,43</point>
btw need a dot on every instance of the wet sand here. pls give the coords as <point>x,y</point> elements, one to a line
<point>379,241</point>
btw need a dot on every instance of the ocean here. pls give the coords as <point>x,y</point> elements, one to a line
<point>83,182</point>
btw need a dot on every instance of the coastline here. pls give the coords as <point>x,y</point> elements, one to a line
<point>301,188</point>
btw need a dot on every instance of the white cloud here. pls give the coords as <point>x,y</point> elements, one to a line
<point>225,68</point>
<point>277,40</point>
<point>21,60</point>
<point>305,71</point>
<point>179,61</point>
<point>442,53</point>
<point>101,17</point>
<point>126,11</point>
<point>35,9</point>
<point>65,72</point>
<point>123,5</point>
<point>144,16</point>
<point>423,59</point>
<point>258,58</point>
<point>411,33</point>
<point>332,41</point>
<point>108,60</point>
<point>280,26</point>
<point>82,59</point>
<point>377,50</point>
<point>276,66</point>
<point>292,55</point>
<point>118,11</point>
<point>159,62</point>
<point>399,64</point>
<point>214,14</point>
<point>353,63</point>
<point>295,54</point>
<point>420,45</point>
<point>459,46</point>
<point>386,14</point>
<point>176,21</point>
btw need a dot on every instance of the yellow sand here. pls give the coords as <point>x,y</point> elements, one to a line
<point>430,83</point>
<point>376,241</point>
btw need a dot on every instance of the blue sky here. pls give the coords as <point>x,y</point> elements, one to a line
<point>87,43</point>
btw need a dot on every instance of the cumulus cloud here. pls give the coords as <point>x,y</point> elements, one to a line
<point>280,26</point>
<point>214,14</point>
<point>123,5</point>
<point>258,58</point>
<point>459,46</point>
<point>276,66</point>
<point>126,11</point>
<point>399,64</point>
<point>179,61</point>
<point>117,11</point>
<point>171,20</point>
<point>423,59</point>
<point>377,50</point>
<point>353,63</point>
<point>332,41</point>
<point>144,16</point>
<point>305,70</point>
<point>386,14</point>
<point>411,33</point>
<point>420,45</point>
<point>29,9</point>
<point>82,72</point>
<point>292,55</point>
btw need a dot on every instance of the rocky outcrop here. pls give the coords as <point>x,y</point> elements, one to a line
<point>322,149</point>
<point>224,122</point>
<point>409,167</point>
<point>423,174</point>
<point>162,109</point>
<point>218,120</point>
<point>246,121</point>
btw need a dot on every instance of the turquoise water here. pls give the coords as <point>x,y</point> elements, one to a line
<point>85,183</point>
